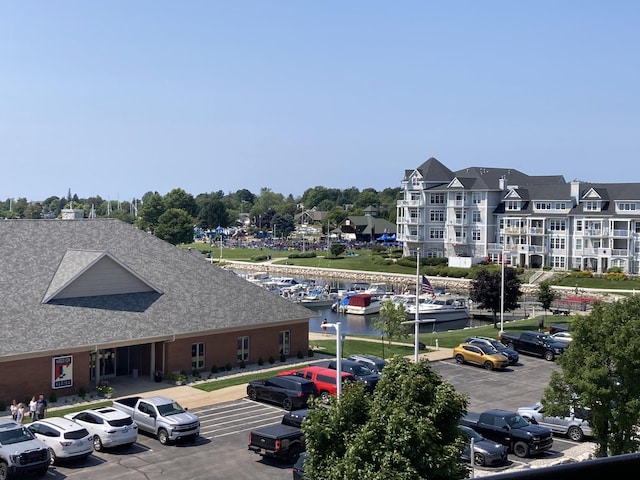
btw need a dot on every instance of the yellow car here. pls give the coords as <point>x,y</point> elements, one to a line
<point>484,355</point>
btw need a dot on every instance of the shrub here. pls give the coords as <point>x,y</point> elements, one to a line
<point>214,369</point>
<point>228,367</point>
<point>283,357</point>
<point>299,355</point>
<point>310,352</point>
<point>243,364</point>
<point>302,255</point>
<point>195,373</point>
<point>272,360</point>
<point>258,258</point>
<point>82,392</point>
<point>53,398</point>
<point>260,362</point>
<point>3,406</point>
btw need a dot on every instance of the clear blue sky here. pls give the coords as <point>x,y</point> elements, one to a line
<point>123,97</point>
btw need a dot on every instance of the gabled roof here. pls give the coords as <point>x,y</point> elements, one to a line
<point>488,178</point>
<point>432,171</point>
<point>158,291</point>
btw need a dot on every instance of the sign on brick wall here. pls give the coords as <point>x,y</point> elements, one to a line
<point>62,371</point>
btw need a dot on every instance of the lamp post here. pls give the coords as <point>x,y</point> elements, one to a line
<point>336,326</point>
<point>503,254</point>
<point>416,328</point>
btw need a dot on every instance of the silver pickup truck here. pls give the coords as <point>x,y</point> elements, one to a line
<point>160,416</point>
<point>573,424</point>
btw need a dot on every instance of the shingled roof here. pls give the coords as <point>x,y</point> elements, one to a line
<point>55,298</point>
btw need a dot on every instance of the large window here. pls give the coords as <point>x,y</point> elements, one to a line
<point>557,261</point>
<point>476,197</point>
<point>476,216</point>
<point>243,349</point>
<point>558,242</point>
<point>436,198</point>
<point>512,205</point>
<point>197,355</point>
<point>436,215</point>
<point>592,206</point>
<point>284,342</point>
<point>557,225</point>
<point>475,235</point>
<point>436,233</point>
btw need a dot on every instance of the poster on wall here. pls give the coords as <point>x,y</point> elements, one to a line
<point>62,371</point>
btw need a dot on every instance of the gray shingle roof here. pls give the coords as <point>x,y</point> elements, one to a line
<point>38,257</point>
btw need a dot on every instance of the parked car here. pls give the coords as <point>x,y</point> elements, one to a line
<point>511,354</point>
<point>65,439</point>
<point>298,468</point>
<point>20,451</point>
<point>109,427</point>
<point>564,337</point>
<point>324,379</point>
<point>359,371</point>
<point>375,364</point>
<point>294,418</point>
<point>534,343</point>
<point>485,452</point>
<point>574,424</point>
<point>290,391</point>
<point>483,355</point>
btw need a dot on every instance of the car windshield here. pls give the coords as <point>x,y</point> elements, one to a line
<point>517,422</point>
<point>496,344</point>
<point>471,434</point>
<point>488,349</point>
<point>361,370</point>
<point>16,436</point>
<point>170,409</point>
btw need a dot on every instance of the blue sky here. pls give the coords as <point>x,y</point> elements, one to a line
<point>119,98</point>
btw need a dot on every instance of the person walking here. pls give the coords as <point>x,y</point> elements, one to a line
<point>41,407</point>
<point>14,409</point>
<point>324,326</point>
<point>20,414</point>
<point>32,408</point>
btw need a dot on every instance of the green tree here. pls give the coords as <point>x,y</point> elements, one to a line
<point>149,213</point>
<point>283,225</point>
<point>546,296</point>
<point>175,226</point>
<point>212,213</point>
<point>486,290</point>
<point>390,320</point>
<point>407,430</point>
<point>337,249</point>
<point>600,372</point>
<point>178,198</point>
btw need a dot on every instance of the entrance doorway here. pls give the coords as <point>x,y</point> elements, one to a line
<point>105,360</point>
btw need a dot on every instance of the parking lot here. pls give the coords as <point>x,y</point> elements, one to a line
<point>221,451</point>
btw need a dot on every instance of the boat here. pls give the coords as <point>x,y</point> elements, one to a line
<point>429,307</point>
<point>318,298</point>
<point>380,289</point>
<point>363,304</point>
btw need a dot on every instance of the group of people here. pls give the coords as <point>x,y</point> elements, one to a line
<point>37,409</point>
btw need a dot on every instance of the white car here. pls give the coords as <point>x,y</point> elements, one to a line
<point>564,337</point>
<point>108,426</point>
<point>66,439</point>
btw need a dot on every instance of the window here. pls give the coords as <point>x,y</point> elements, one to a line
<point>476,216</point>
<point>557,225</point>
<point>578,225</point>
<point>243,349</point>
<point>413,215</point>
<point>557,261</point>
<point>558,242</point>
<point>592,206</point>
<point>436,215</point>
<point>543,206</point>
<point>197,355</point>
<point>436,198</point>
<point>415,196</point>
<point>284,342</point>
<point>476,197</point>
<point>436,233</point>
<point>512,205</point>
<point>475,235</point>
<point>578,244</point>
<point>627,206</point>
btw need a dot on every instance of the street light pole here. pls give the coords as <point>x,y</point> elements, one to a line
<point>502,291</point>
<point>338,356</point>
<point>416,329</point>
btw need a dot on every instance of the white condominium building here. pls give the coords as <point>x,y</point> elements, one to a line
<point>479,213</point>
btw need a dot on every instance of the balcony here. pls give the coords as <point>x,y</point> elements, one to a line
<point>408,238</point>
<point>621,233</point>
<point>620,252</point>
<point>456,203</point>
<point>409,203</point>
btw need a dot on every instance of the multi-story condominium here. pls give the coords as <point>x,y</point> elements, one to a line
<point>486,213</point>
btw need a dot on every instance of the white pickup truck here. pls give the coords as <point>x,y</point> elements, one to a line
<point>160,416</point>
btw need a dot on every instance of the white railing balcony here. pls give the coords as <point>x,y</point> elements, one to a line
<point>620,252</point>
<point>516,230</point>
<point>590,251</point>
<point>408,238</point>
<point>409,203</point>
<point>621,233</point>
<point>537,249</point>
<point>457,221</point>
<point>456,203</point>
<point>536,230</point>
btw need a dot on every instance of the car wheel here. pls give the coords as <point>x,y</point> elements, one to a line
<point>575,434</point>
<point>509,345</point>
<point>163,436</point>
<point>478,459</point>
<point>53,457</point>
<point>325,397</point>
<point>287,404</point>
<point>294,454</point>
<point>459,359</point>
<point>488,365</point>
<point>4,471</point>
<point>548,355</point>
<point>253,393</point>
<point>521,449</point>
<point>97,443</point>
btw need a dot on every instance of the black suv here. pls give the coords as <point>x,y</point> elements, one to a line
<point>359,371</point>
<point>375,364</point>
<point>290,391</point>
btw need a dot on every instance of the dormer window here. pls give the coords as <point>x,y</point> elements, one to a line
<point>592,206</point>
<point>512,205</point>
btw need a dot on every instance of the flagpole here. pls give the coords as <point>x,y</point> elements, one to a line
<point>416,329</point>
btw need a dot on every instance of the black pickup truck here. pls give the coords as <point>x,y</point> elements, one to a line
<point>510,429</point>
<point>283,441</point>
<point>533,343</point>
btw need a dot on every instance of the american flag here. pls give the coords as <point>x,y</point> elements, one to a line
<point>426,287</point>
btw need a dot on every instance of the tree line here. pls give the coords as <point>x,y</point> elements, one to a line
<point>173,216</point>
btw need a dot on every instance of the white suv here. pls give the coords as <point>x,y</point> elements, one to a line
<point>66,439</point>
<point>109,427</point>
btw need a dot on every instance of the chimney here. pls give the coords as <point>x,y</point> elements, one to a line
<point>502,183</point>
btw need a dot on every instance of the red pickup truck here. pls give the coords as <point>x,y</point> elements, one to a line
<point>323,378</point>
